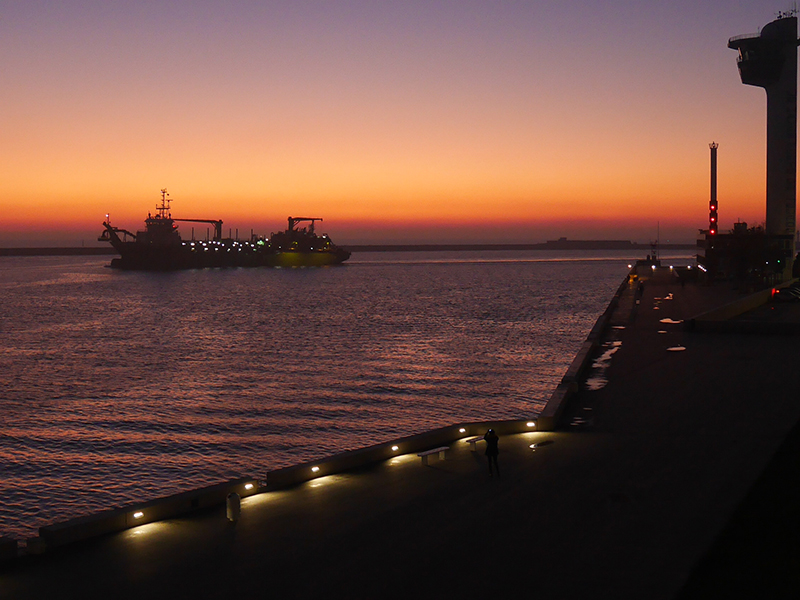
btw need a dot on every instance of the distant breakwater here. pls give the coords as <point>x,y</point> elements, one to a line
<point>88,251</point>
<point>563,244</point>
<point>549,245</point>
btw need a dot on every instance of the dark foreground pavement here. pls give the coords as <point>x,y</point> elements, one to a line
<point>631,499</point>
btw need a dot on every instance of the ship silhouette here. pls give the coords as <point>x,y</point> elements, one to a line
<point>160,246</point>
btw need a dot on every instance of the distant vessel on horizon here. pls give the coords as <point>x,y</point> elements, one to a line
<point>160,247</point>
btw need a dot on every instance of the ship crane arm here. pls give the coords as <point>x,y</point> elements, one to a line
<point>217,226</point>
<point>113,232</point>
<point>295,220</point>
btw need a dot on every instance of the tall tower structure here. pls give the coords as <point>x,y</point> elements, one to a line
<point>769,60</point>
<point>713,219</point>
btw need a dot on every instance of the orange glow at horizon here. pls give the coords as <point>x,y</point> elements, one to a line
<point>385,119</point>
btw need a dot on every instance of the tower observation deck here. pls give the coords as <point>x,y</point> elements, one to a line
<point>769,60</point>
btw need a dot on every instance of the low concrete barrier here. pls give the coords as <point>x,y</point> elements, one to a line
<point>132,515</point>
<point>719,320</point>
<point>363,457</point>
<point>551,414</point>
<point>735,308</point>
<point>118,519</point>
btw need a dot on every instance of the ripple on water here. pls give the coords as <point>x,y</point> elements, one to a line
<point>120,387</point>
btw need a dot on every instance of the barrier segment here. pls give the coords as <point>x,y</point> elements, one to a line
<point>551,414</point>
<point>352,459</point>
<point>132,515</point>
<point>719,320</point>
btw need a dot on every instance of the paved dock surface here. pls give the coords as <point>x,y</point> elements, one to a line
<point>630,499</point>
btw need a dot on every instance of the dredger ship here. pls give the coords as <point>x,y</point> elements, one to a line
<point>160,246</point>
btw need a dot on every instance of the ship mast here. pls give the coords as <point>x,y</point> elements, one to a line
<point>163,209</point>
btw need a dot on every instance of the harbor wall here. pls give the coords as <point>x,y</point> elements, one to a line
<point>551,414</point>
<point>178,505</point>
<point>370,455</point>
<point>132,515</point>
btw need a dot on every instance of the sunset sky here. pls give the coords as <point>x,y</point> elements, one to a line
<point>394,121</point>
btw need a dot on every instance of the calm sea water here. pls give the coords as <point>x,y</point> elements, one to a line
<point>118,387</point>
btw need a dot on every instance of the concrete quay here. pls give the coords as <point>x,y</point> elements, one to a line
<point>688,441</point>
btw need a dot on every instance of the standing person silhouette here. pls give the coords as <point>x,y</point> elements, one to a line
<point>492,451</point>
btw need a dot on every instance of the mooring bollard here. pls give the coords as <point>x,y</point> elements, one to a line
<point>234,505</point>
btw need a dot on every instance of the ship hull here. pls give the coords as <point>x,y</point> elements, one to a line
<point>321,258</point>
<point>137,257</point>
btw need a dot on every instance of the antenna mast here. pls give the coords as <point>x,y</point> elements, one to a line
<point>163,208</point>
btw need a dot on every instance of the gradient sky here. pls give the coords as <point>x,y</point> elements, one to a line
<point>394,121</point>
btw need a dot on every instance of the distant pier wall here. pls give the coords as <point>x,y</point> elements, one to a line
<point>82,251</point>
